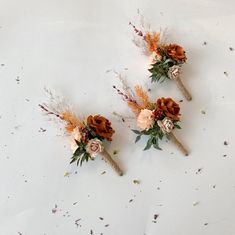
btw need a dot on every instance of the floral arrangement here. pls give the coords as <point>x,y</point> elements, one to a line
<point>155,120</point>
<point>87,136</point>
<point>167,59</point>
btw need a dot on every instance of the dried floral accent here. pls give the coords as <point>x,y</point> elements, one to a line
<point>86,136</point>
<point>153,41</point>
<point>142,95</point>
<point>71,120</point>
<point>136,108</point>
<point>166,59</point>
<point>157,121</point>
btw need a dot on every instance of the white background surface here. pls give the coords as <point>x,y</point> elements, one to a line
<point>68,46</point>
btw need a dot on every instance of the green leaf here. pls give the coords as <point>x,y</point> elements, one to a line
<point>168,137</point>
<point>137,138</point>
<point>155,145</point>
<point>177,126</point>
<point>83,157</point>
<point>78,143</point>
<point>78,151</point>
<point>73,159</point>
<point>136,132</point>
<point>160,135</point>
<point>159,70</point>
<point>149,144</point>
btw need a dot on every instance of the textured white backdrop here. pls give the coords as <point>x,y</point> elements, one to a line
<point>68,45</point>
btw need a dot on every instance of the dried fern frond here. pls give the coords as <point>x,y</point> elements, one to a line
<point>143,97</point>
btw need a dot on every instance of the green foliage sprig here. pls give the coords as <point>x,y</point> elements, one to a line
<point>159,70</point>
<point>80,155</point>
<point>155,134</point>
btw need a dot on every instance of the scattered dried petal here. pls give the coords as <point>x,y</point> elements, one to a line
<point>195,203</point>
<point>136,181</point>
<point>155,216</point>
<point>67,174</point>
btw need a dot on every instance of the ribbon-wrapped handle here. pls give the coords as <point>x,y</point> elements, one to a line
<point>106,156</point>
<point>178,143</point>
<point>182,88</point>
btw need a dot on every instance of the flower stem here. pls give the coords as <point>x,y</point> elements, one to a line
<point>178,144</point>
<point>183,89</point>
<point>106,156</point>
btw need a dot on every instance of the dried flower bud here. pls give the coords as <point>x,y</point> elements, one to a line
<point>158,114</point>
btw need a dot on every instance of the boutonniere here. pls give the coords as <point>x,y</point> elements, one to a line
<point>87,135</point>
<point>166,58</point>
<point>155,120</point>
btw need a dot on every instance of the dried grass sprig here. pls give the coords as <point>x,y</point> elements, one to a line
<point>143,96</point>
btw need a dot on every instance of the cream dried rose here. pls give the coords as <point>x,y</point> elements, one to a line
<point>174,72</point>
<point>145,119</point>
<point>94,147</point>
<point>166,125</point>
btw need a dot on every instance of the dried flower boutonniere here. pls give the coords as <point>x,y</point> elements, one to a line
<point>87,136</point>
<point>154,120</point>
<point>167,59</point>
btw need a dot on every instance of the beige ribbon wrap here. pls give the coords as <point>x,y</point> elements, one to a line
<point>174,73</point>
<point>166,126</point>
<point>183,89</point>
<point>106,156</point>
<point>178,144</point>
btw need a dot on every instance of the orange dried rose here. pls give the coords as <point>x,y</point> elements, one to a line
<point>176,52</point>
<point>169,107</point>
<point>101,126</point>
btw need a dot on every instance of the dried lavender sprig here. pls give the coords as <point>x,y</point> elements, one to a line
<point>48,111</point>
<point>137,31</point>
<point>124,96</point>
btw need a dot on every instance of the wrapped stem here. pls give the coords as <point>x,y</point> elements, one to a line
<point>178,144</point>
<point>106,156</point>
<point>183,89</point>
